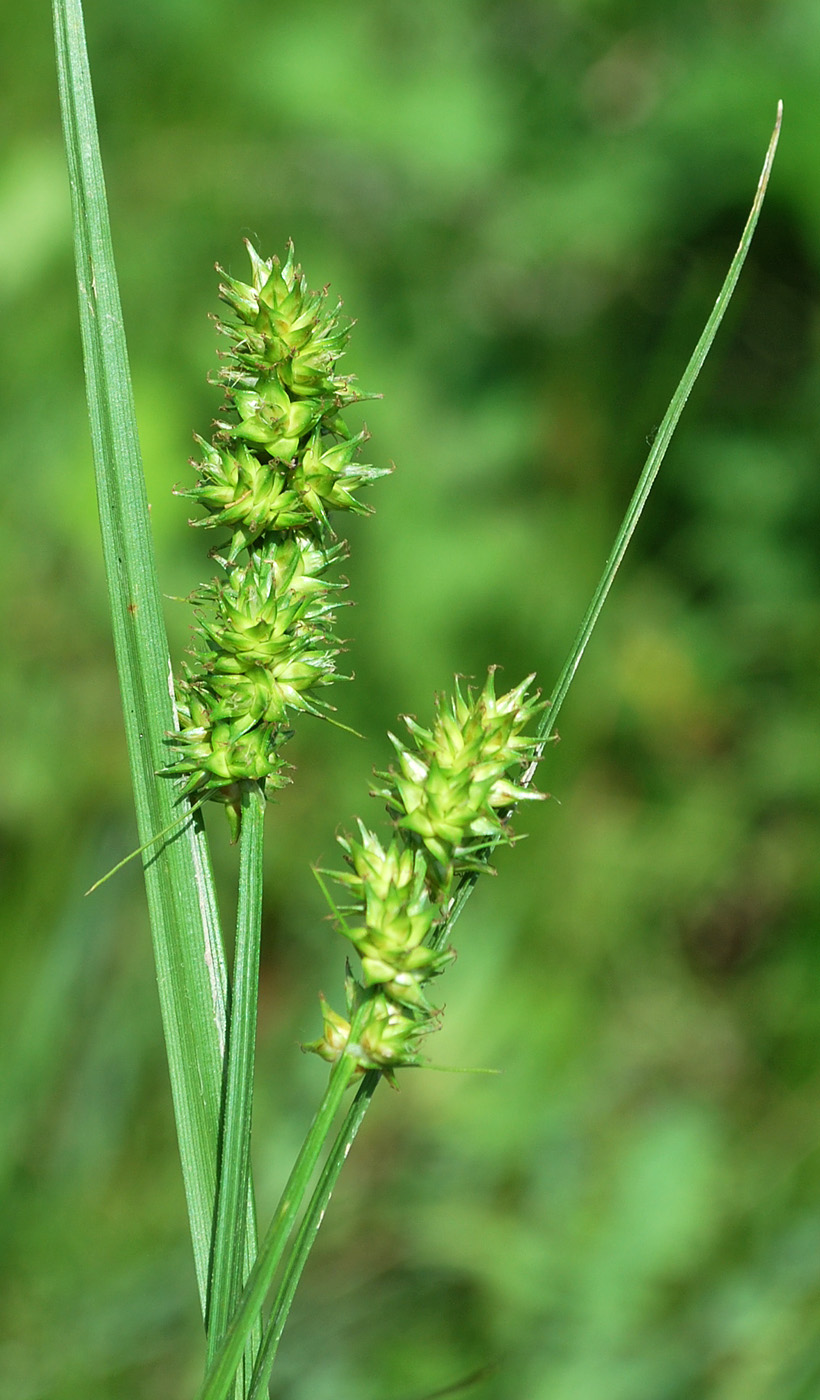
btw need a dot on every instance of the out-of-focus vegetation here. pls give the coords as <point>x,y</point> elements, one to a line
<point>529,206</point>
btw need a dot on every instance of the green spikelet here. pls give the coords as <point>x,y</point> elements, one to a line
<point>280,461</point>
<point>451,789</point>
<point>246,494</point>
<point>397,916</point>
<point>281,324</point>
<point>449,798</point>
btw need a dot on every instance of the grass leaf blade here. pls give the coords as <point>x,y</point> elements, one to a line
<point>184,920</point>
<point>660,445</point>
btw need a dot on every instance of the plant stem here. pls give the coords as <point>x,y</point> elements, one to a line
<point>220,1375</point>
<point>228,1271</point>
<point>308,1230</point>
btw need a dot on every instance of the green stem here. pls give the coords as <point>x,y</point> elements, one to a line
<point>228,1271</point>
<point>308,1230</point>
<point>223,1368</point>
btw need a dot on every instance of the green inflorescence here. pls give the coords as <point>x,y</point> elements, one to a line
<point>449,798</point>
<point>280,460</point>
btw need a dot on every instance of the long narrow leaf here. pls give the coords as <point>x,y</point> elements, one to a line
<point>184,921</point>
<point>661,442</point>
<point>646,481</point>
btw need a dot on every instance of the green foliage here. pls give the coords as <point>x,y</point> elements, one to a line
<point>530,207</point>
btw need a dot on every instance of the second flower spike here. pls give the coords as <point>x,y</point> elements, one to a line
<point>450,800</point>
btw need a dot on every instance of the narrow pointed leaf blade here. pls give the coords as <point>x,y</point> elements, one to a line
<point>661,442</point>
<point>187,940</point>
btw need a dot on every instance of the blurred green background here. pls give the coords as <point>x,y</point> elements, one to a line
<point>529,206</point>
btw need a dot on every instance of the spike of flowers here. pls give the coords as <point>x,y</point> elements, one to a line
<point>449,798</point>
<point>281,459</point>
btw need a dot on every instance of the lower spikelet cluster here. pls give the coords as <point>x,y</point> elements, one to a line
<point>280,460</point>
<point>449,799</point>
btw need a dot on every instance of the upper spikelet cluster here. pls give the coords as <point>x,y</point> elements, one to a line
<point>280,460</point>
<point>449,798</point>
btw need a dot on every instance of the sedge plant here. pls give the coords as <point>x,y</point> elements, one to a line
<point>279,469</point>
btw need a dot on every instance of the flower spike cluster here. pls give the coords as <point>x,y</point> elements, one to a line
<point>280,460</point>
<point>449,799</point>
